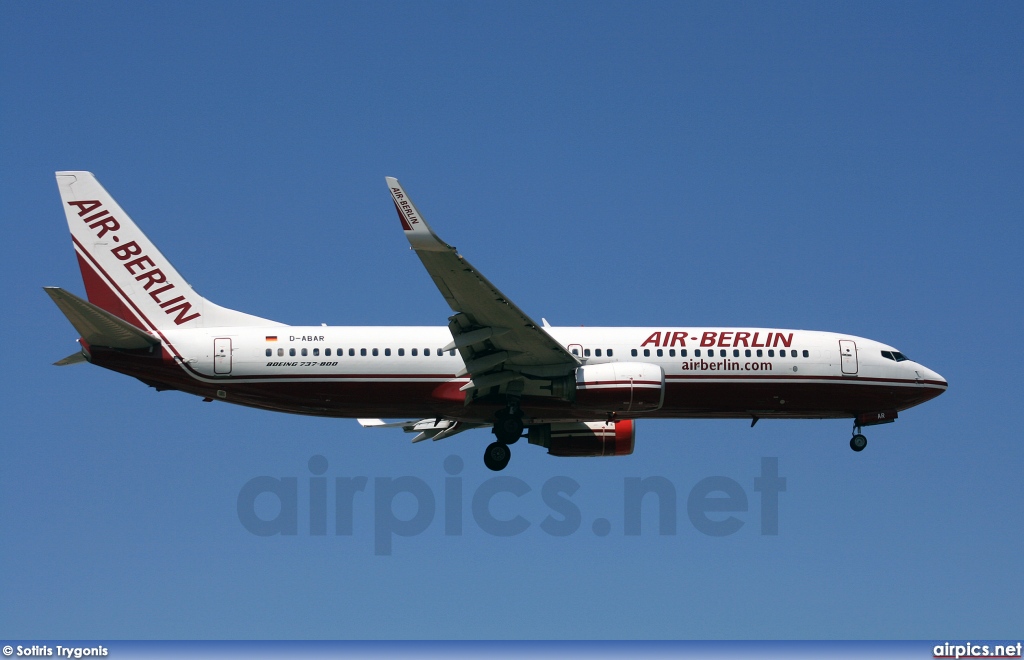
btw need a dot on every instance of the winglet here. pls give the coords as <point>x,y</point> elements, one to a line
<point>419,233</point>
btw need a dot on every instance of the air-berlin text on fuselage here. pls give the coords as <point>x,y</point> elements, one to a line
<point>723,338</point>
<point>141,267</point>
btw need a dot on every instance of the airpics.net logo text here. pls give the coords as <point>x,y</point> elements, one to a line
<point>408,506</point>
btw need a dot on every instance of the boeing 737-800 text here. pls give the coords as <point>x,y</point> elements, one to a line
<point>574,391</point>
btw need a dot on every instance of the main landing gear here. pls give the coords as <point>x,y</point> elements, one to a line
<point>508,428</point>
<point>497,456</point>
<point>858,442</point>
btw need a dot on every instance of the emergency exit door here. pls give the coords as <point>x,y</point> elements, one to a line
<point>222,356</point>
<point>848,355</point>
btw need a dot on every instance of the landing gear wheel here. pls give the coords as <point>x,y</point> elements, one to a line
<point>497,456</point>
<point>508,428</point>
<point>858,442</point>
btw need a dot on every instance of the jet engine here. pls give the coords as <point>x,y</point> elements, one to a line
<point>620,387</point>
<point>585,438</point>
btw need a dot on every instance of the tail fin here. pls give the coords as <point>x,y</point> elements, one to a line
<point>124,273</point>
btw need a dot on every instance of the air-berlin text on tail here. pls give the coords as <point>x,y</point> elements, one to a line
<point>405,210</point>
<point>141,267</point>
<point>723,338</point>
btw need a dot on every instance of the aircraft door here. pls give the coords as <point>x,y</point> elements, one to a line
<point>222,356</point>
<point>848,355</point>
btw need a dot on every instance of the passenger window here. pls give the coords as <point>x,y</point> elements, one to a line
<point>735,352</point>
<point>316,351</point>
<point>291,352</point>
<point>760,353</point>
<point>440,353</point>
<point>771,352</point>
<point>633,352</point>
<point>682,351</point>
<point>747,352</point>
<point>376,352</point>
<point>597,352</point>
<point>415,352</point>
<point>671,352</point>
<point>270,352</point>
<point>362,352</point>
<point>426,351</point>
<point>451,353</point>
<point>807,353</point>
<point>609,352</point>
<point>327,352</point>
<point>576,352</point>
<point>387,352</point>
<point>305,352</point>
<point>586,352</point>
<point>696,352</point>
<point>647,352</point>
<point>401,352</point>
<point>280,352</point>
<point>352,352</point>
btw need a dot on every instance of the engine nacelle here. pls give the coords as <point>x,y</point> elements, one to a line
<point>620,387</point>
<point>585,438</point>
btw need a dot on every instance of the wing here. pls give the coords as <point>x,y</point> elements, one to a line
<point>499,343</point>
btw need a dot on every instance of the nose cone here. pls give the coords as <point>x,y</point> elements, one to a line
<point>932,377</point>
<point>932,384</point>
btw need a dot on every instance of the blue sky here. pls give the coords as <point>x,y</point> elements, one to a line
<point>854,168</point>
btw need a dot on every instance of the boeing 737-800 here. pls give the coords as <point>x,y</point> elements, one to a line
<point>574,391</point>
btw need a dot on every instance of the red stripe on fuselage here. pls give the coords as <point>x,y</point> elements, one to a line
<point>384,395</point>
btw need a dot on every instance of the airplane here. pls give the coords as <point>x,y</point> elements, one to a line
<point>575,391</point>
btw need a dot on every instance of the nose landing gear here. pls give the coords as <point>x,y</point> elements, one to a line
<point>858,442</point>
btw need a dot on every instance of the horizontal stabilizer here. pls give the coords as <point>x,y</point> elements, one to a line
<point>74,358</point>
<point>97,326</point>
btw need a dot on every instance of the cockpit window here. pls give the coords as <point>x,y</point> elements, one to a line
<point>894,355</point>
<point>888,355</point>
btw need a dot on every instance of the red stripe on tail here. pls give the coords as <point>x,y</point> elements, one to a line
<point>401,216</point>
<point>101,295</point>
